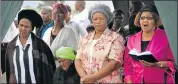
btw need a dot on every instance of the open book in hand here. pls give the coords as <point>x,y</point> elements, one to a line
<point>146,56</point>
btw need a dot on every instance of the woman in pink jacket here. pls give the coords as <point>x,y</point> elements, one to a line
<point>152,39</point>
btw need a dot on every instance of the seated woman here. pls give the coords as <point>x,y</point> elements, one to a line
<point>66,72</point>
<point>99,55</point>
<point>152,39</point>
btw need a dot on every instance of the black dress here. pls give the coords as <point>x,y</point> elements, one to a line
<point>144,45</point>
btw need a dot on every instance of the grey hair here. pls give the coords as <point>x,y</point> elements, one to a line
<point>100,8</point>
<point>47,8</point>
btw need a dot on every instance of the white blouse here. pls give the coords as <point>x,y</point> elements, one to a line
<point>90,52</point>
<point>66,37</point>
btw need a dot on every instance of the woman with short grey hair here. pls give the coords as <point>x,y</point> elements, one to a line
<point>99,55</point>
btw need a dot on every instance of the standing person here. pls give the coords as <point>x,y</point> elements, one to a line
<point>153,39</point>
<point>29,59</point>
<point>118,24</point>
<point>136,5</point>
<point>99,55</point>
<point>82,16</point>
<point>66,72</point>
<point>46,14</point>
<point>60,35</point>
<point>78,30</point>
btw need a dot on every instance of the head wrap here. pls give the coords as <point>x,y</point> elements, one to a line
<point>61,6</point>
<point>65,53</point>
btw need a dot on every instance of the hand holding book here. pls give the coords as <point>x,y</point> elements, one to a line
<point>148,64</point>
<point>146,56</point>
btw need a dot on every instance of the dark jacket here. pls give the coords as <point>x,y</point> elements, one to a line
<point>3,52</point>
<point>43,61</point>
<point>66,77</point>
<point>39,30</point>
<point>124,32</point>
<point>133,29</point>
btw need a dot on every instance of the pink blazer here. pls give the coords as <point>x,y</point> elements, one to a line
<point>160,48</point>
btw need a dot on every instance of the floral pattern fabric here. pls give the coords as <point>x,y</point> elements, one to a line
<point>109,46</point>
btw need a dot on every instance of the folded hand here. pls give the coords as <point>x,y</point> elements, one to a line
<point>88,79</point>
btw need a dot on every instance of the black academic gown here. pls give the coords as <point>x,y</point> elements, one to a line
<point>43,61</point>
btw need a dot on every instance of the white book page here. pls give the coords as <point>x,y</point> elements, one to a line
<point>145,53</point>
<point>135,52</point>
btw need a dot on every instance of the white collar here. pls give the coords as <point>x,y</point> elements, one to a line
<point>119,29</point>
<point>29,41</point>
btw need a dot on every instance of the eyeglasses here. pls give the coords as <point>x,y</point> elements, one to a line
<point>148,18</point>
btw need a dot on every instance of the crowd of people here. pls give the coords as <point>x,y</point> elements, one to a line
<point>92,47</point>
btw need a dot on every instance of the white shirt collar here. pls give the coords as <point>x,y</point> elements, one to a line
<point>29,41</point>
<point>119,29</point>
